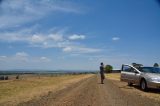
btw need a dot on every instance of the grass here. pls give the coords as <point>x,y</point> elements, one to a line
<point>25,89</point>
<point>113,76</point>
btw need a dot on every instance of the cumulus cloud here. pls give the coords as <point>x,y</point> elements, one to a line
<point>57,39</point>
<point>76,37</point>
<point>115,38</point>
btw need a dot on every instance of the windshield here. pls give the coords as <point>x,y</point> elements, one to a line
<point>150,70</point>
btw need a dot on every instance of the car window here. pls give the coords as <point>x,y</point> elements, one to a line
<point>147,70</point>
<point>128,69</point>
<point>150,70</point>
<point>132,70</point>
<point>157,70</point>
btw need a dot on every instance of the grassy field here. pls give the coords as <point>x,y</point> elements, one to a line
<point>15,91</point>
<point>113,76</point>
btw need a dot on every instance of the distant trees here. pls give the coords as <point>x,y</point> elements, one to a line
<point>108,68</point>
<point>4,78</point>
<point>155,65</point>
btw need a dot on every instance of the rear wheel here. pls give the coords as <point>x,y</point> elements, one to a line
<point>143,85</point>
<point>130,84</point>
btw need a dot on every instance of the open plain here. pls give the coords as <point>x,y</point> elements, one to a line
<point>82,90</point>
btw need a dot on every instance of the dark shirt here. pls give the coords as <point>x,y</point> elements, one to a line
<point>101,70</point>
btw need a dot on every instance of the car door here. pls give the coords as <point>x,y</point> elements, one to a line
<point>133,75</point>
<point>125,72</point>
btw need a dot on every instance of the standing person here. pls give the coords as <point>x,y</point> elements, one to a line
<point>102,73</point>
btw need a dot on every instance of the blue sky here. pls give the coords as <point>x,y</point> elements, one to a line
<point>78,35</point>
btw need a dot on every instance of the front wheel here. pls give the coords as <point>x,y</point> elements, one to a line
<point>143,85</point>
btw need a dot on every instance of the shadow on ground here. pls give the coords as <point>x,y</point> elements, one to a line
<point>150,90</point>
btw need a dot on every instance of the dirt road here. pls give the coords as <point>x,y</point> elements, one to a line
<point>89,92</point>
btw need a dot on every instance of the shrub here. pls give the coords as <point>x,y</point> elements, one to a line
<point>17,77</point>
<point>108,68</point>
<point>155,65</point>
<point>6,78</point>
<point>2,78</point>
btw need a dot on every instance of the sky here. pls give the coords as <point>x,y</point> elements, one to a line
<point>78,34</point>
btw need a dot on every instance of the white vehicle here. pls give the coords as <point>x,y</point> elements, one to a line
<point>145,77</point>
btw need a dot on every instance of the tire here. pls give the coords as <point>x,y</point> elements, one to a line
<point>143,85</point>
<point>130,84</point>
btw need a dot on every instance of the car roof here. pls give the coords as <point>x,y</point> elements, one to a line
<point>142,66</point>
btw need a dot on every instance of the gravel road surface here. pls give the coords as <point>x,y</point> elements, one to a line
<point>89,92</point>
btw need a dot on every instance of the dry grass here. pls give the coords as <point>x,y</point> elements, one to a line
<point>15,91</point>
<point>113,76</point>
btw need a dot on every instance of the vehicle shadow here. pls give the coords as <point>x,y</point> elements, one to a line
<point>150,90</point>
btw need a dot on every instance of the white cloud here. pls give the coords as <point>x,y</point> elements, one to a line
<point>23,59</point>
<point>17,12</point>
<point>87,50</point>
<point>22,54</point>
<point>28,35</point>
<point>115,38</point>
<point>19,56</point>
<point>37,39</point>
<point>80,50</point>
<point>67,49</point>
<point>76,37</point>
<point>56,37</point>
<point>11,37</point>
<point>47,40</point>
<point>3,56</point>
<point>45,59</point>
<point>23,34</point>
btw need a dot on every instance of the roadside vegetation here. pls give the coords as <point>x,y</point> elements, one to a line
<point>113,76</point>
<point>29,87</point>
<point>108,69</point>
